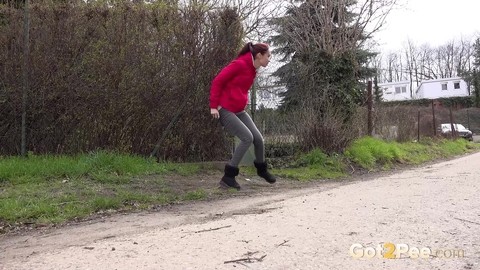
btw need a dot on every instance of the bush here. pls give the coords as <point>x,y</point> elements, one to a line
<point>122,77</point>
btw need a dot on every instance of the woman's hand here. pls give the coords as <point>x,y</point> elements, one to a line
<point>215,114</point>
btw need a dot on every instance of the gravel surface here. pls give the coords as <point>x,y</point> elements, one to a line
<point>431,212</point>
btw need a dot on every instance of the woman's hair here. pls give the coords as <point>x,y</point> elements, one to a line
<point>254,48</point>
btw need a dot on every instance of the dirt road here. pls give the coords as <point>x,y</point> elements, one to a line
<point>434,209</point>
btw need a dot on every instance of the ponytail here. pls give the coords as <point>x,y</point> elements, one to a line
<point>254,48</point>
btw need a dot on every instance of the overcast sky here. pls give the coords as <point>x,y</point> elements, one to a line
<point>430,21</point>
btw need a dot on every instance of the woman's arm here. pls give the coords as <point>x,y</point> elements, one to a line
<point>219,82</point>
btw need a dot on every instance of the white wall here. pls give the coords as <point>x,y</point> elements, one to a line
<point>395,91</point>
<point>433,88</point>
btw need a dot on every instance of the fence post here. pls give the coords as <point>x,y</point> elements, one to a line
<point>370,108</point>
<point>418,126</point>
<point>468,118</point>
<point>434,120</point>
<point>25,90</point>
<point>253,100</point>
<point>452,127</point>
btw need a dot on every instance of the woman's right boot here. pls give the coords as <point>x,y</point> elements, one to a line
<point>228,180</point>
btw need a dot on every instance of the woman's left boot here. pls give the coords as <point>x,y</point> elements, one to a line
<point>262,171</point>
<point>228,180</point>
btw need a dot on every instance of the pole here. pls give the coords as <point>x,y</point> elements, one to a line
<point>452,127</point>
<point>418,126</point>
<point>434,120</point>
<point>468,118</point>
<point>370,108</point>
<point>253,101</point>
<point>26,52</point>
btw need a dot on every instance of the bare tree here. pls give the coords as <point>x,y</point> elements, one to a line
<point>424,62</point>
<point>391,58</point>
<point>338,32</point>
<point>255,14</point>
<point>411,56</point>
<point>425,58</point>
<point>464,55</point>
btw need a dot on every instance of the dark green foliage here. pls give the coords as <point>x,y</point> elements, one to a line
<point>324,71</point>
<point>476,86</point>
<point>319,74</point>
<point>472,76</point>
<point>476,72</point>
<point>476,53</point>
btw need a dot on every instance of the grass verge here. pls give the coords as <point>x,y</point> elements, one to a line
<point>54,189</point>
<point>315,165</point>
<point>371,153</point>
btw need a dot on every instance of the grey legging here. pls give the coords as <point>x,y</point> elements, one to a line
<point>242,126</point>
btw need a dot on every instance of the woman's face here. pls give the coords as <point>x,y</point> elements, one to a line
<point>263,59</point>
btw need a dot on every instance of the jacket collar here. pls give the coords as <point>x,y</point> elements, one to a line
<point>248,58</point>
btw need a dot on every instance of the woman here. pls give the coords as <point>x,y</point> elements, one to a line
<point>228,99</point>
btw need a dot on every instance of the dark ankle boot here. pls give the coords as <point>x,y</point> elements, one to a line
<point>263,172</point>
<point>228,180</point>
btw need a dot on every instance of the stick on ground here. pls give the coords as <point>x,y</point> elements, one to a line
<point>214,229</point>
<point>248,260</point>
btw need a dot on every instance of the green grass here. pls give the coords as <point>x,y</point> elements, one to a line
<point>195,195</point>
<point>53,189</point>
<point>56,200</point>
<point>371,153</point>
<point>100,166</point>
<point>314,165</point>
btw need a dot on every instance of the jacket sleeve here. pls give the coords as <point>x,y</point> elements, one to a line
<point>220,81</point>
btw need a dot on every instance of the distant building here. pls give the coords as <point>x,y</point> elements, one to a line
<point>428,89</point>
<point>442,88</point>
<point>395,91</point>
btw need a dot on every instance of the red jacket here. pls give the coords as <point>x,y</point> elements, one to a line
<point>230,87</point>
